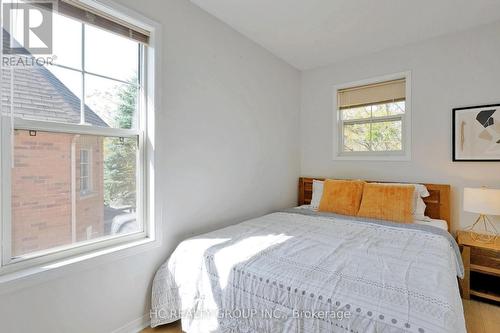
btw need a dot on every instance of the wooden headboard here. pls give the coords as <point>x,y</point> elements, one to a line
<point>438,203</point>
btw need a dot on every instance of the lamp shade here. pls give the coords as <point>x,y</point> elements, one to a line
<point>482,201</point>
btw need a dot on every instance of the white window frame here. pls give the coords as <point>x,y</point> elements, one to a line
<point>338,125</point>
<point>107,247</point>
<point>88,190</point>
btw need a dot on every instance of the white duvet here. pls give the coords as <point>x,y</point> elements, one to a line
<point>290,272</point>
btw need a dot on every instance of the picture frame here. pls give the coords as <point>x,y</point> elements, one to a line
<point>476,133</point>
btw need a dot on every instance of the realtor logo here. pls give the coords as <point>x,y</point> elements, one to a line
<point>27,27</point>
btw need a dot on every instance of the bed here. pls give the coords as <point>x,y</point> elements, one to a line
<point>299,270</point>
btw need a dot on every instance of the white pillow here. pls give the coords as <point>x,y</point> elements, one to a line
<point>419,204</point>
<point>422,190</point>
<point>317,193</point>
<point>419,211</point>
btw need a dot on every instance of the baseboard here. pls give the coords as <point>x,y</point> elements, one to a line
<point>135,325</point>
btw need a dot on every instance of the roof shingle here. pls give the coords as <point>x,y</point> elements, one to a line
<point>40,95</point>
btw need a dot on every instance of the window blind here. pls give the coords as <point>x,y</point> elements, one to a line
<point>377,93</point>
<point>86,14</point>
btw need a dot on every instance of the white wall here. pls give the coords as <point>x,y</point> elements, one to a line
<point>227,150</point>
<point>456,70</point>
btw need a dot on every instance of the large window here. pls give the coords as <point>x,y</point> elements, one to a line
<point>74,141</point>
<point>373,120</point>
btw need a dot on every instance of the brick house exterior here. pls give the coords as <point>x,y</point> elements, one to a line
<point>49,207</point>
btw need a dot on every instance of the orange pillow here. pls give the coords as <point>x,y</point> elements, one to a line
<point>388,202</point>
<point>341,196</point>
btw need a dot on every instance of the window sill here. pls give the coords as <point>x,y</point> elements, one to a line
<point>24,278</point>
<point>381,158</point>
<point>87,194</point>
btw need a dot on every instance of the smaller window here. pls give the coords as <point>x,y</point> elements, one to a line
<point>85,172</point>
<point>373,119</point>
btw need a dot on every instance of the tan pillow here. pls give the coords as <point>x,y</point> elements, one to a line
<point>341,196</point>
<point>388,202</point>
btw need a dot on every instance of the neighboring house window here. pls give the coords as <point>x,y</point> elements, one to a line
<point>82,125</point>
<point>85,171</point>
<point>373,120</point>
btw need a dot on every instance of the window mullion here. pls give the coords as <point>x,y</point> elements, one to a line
<point>82,98</point>
<point>95,74</point>
<point>45,126</point>
<point>387,118</point>
<point>371,122</point>
<point>141,120</point>
<point>6,204</point>
<point>110,78</point>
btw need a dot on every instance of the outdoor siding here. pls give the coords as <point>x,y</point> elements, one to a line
<point>41,192</point>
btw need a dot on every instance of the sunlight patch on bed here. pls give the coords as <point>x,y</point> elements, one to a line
<point>229,256</point>
<point>195,248</point>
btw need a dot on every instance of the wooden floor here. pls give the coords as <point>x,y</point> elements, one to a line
<point>169,328</point>
<point>480,318</point>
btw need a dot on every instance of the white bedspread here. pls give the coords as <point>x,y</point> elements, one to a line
<point>288,272</point>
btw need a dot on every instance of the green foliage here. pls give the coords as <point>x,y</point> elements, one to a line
<point>386,136</point>
<point>374,134</point>
<point>120,155</point>
<point>127,107</point>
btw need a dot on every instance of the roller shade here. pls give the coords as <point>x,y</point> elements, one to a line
<point>377,93</point>
<point>89,15</point>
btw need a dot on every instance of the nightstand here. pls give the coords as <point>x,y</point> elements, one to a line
<point>480,259</point>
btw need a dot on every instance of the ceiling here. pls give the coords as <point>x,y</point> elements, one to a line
<point>313,33</point>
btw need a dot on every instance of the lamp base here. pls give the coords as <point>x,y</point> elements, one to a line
<point>489,232</point>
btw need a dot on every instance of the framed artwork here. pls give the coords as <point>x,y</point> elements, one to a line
<point>476,133</point>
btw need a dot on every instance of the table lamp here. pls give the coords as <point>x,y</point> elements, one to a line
<point>483,201</point>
